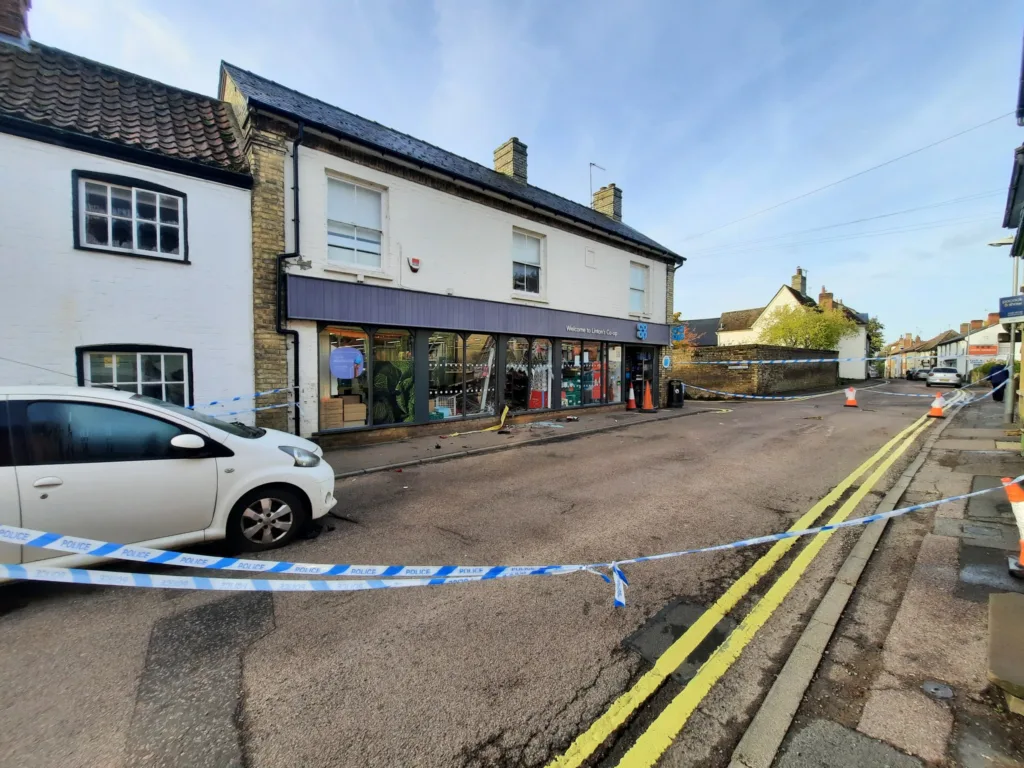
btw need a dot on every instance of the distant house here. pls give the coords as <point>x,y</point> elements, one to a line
<point>911,353</point>
<point>745,326</point>
<point>703,332</point>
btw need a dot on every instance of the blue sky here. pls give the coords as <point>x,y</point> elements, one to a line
<point>701,112</point>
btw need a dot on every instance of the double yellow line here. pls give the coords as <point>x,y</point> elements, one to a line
<point>660,733</point>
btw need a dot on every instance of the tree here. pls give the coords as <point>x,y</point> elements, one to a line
<point>807,328</point>
<point>875,339</point>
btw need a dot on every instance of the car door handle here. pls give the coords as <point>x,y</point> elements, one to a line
<point>47,482</point>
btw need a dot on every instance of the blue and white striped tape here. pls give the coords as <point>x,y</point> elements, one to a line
<point>77,545</point>
<point>252,410</point>
<point>803,360</point>
<point>430,575</point>
<point>253,396</point>
<point>750,397</point>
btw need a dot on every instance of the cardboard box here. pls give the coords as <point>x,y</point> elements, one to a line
<point>355,412</point>
<point>332,413</point>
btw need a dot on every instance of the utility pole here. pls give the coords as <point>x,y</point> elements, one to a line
<point>1011,383</point>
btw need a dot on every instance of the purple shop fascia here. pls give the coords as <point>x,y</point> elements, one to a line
<point>403,357</point>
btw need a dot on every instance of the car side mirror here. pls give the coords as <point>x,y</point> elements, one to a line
<point>188,442</point>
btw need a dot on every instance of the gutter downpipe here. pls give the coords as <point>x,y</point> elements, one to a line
<point>297,253</point>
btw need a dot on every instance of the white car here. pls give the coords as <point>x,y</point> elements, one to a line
<point>126,468</point>
<point>943,376</point>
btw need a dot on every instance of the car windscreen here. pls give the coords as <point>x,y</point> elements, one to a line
<point>231,427</point>
<point>943,370</point>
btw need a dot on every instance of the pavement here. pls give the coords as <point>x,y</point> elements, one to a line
<point>500,673</point>
<point>903,680</point>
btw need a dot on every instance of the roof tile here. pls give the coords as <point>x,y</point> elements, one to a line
<point>52,87</point>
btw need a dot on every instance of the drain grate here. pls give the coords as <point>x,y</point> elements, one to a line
<point>667,626</point>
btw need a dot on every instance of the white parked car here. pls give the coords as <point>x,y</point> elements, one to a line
<point>129,469</point>
<point>943,377</point>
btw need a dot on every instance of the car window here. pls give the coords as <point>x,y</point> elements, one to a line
<point>6,458</point>
<point>943,370</point>
<point>71,433</point>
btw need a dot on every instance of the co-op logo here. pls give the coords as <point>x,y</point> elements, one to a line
<point>641,331</point>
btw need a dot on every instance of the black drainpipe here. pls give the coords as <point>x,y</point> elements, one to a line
<point>297,253</point>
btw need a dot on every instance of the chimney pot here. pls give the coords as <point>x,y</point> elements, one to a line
<point>993,318</point>
<point>964,328</point>
<point>608,200</point>
<point>14,19</point>
<point>509,159</point>
<point>977,325</point>
<point>799,281</point>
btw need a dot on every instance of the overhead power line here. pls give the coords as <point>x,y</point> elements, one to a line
<point>847,178</point>
<point>859,235</point>
<point>716,249</point>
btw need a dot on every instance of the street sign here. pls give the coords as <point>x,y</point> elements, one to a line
<point>666,362</point>
<point>1011,309</point>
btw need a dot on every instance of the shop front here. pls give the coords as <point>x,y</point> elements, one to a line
<point>388,357</point>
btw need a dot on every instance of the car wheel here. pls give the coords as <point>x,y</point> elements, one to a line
<point>266,518</point>
<point>927,383</point>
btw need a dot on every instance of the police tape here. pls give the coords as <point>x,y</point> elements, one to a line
<point>803,360</point>
<point>77,545</point>
<point>431,575</point>
<point>251,410</point>
<point>239,398</point>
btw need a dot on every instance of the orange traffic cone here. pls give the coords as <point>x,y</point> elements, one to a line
<point>631,403</point>
<point>936,411</point>
<point>648,406</point>
<point>851,398</point>
<point>1016,496</point>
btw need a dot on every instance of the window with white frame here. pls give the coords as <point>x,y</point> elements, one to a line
<point>527,251</point>
<point>129,219</point>
<point>638,288</point>
<point>354,229</point>
<point>163,375</point>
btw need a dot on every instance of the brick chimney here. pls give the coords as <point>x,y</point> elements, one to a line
<point>993,318</point>
<point>509,158</point>
<point>825,300</point>
<point>977,325</point>
<point>964,328</point>
<point>799,281</point>
<point>14,19</point>
<point>907,340</point>
<point>608,200</point>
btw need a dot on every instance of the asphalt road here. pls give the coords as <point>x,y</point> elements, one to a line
<point>501,673</point>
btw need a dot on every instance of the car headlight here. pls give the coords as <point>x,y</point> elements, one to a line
<point>303,458</point>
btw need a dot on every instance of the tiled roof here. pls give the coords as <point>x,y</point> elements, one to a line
<point>54,88</point>
<point>741,319</point>
<point>804,299</point>
<point>265,93</point>
<point>702,332</point>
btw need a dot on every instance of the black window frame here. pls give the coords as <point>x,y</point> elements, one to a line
<point>18,412</point>
<point>80,353</point>
<point>79,175</point>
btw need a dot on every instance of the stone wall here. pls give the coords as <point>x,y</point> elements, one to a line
<point>750,379</point>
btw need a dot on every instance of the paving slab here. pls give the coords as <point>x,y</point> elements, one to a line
<point>824,744</point>
<point>978,432</point>
<point>983,571</point>
<point>953,444</point>
<point>908,720</point>
<point>994,506</point>
<point>1006,643</point>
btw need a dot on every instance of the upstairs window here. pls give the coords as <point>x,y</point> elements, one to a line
<point>158,372</point>
<point>354,229</point>
<point>142,220</point>
<point>637,289</point>
<point>526,263</point>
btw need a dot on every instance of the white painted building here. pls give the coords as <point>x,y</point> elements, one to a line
<point>423,287</point>
<point>126,233</point>
<point>746,325</point>
<point>978,342</point>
